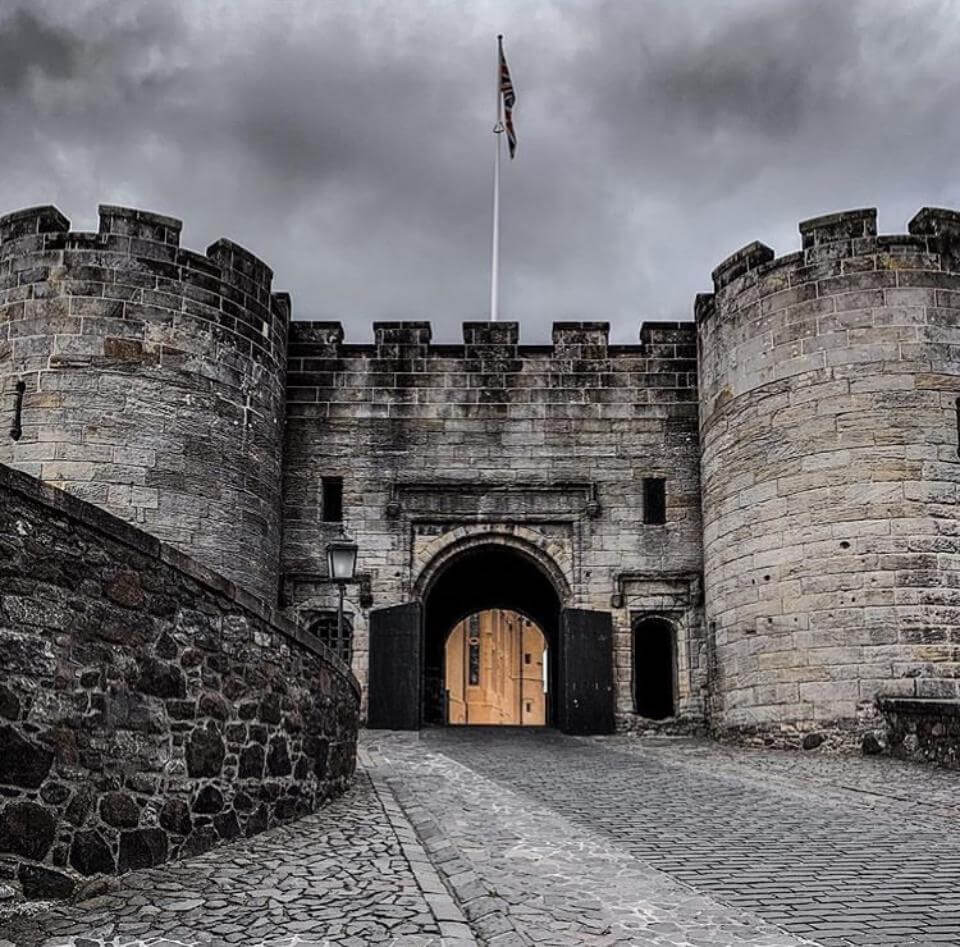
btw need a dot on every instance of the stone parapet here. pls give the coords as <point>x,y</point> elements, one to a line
<point>149,708</point>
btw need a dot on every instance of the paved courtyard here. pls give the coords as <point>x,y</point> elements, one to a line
<point>510,837</point>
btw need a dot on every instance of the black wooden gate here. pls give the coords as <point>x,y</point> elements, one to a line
<point>393,694</point>
<point>585,672</point>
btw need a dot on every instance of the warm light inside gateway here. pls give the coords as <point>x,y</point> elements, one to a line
<point>496,670</point>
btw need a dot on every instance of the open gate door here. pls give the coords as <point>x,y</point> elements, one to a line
<point>585,672</point>
<point>393,691</point>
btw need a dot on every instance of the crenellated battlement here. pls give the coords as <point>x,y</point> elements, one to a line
<point>402,374</point>
<point>569,340</point>
<point>844,252</point>
<point>228,285</point>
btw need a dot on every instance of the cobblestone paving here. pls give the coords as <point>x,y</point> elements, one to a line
<point>553,840</point>
<point>346,875</point>
<point>843,852</point>
<point>527,875</point>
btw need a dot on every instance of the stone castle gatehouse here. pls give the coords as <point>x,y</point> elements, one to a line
<point>752,516</point>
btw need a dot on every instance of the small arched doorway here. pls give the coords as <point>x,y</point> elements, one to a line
<point>496,664</point>
<point>498,586</point>
<point>654,667</point>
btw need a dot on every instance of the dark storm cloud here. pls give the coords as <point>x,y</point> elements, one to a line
<point>350,146</point>
<point>27,43</point>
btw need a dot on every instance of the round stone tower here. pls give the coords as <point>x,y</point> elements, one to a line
<point>148,380</point>
<point>829,413</point>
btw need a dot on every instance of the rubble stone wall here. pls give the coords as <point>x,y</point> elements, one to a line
<point>148,708</point>
<point>923,729</point>
<point>152,381</point>
<point>829,386</point>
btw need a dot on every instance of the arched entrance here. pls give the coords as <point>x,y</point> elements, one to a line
<point>495,667</point>
<point>654,668</point>
<point>478,573</point>
<point>479,579</point>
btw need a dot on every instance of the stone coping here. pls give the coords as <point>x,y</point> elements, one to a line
<point>93,517</point>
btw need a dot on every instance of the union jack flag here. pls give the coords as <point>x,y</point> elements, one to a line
<point>509,100</point>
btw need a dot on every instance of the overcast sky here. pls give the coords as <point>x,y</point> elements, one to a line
<point>349,144</point>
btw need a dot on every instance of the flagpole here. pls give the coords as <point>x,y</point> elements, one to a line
<point>497,131</point>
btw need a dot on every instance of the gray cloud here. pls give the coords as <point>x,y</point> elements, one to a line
<point>350,146</point>
<point>28,44</point>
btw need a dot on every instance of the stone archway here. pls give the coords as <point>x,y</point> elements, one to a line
<point>476,576</point>
<point>489,567</point>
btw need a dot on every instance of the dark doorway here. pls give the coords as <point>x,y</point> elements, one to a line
<point>485,577</point>
<point>654,668</point>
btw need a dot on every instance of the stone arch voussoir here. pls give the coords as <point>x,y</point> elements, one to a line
<point>549,555</point>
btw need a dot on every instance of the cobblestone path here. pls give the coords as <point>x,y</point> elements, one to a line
<point>539,839</point>
<point>843,852</point>
<point>351,874</point>
<point>526,874</point>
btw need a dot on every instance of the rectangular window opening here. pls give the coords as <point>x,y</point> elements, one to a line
<point>654,501</point>
<point>332,499</point>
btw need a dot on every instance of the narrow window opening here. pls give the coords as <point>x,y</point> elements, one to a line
<point>654,501</point>
<point>17,429</point>
<point>332,499</point>
<point>526,658</point>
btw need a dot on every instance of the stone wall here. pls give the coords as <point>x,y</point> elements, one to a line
<point>924,729</point>
<point>148,708</point>
<point>544,446</point>
<point>829,381</point>
<point>153,380</point>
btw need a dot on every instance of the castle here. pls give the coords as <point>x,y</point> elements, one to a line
<point>752,515</point>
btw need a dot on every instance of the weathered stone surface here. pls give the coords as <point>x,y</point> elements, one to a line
<point>175,817</point>
<point>252,759</point>
<point>213,705</point>
<point>22,762</point>
<point>202,839</point>
<point>161,679</point>
<point>81,804</point>
<point>142,848</point>
<point>269,711</point>
<point>205,752</point>
<point>208,800</point>
<point>119,810</point>
<point>870,745</point>
<point>124,589</point>
<point>9,703</point>
<point>227,825</point>
<point>26,829</point>
<point>278,757</point>
<point>90,854</point>
<point>39,882</point>
<point>55,793</point>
